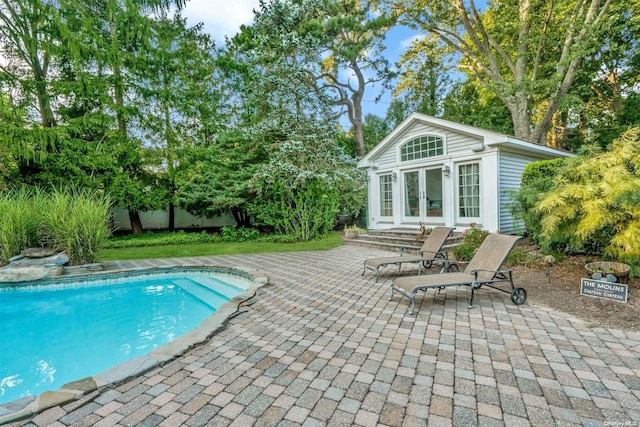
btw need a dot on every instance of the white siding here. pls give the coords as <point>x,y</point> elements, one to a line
<point>511,166</point>
<point>501,158</point>
<point>455,143</point>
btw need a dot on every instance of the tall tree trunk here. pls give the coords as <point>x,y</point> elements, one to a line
<point>241,217</point>
<point>172,216</point>
<point>136,224</point>
<point>355,115</point>
<point>44,105</point>
<point>519,108</point>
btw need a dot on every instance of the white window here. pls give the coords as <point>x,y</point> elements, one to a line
<point>422,147</point>
<point>386,195</point>
<point>469,190</point>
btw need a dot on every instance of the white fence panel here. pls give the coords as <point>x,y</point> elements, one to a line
<point>159,220</point>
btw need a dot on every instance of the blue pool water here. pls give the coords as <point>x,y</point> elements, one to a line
<point>54,334</point>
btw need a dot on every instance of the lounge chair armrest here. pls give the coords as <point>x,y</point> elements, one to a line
<point>495,272</point>
<point>405,248</point>
<point>421,253</point>
<point>452,261</point>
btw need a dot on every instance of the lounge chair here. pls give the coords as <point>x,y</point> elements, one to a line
<point>483,269</point>
<point>430,252</point>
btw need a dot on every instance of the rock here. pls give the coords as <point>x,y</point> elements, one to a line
<point>58,258</point>
<point>596,276</point>
<point>13,274</point>
<point>38,252</point>
<point>549,259</point>
<point>611,278</point>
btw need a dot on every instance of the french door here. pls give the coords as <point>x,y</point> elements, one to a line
<point>422,195</point>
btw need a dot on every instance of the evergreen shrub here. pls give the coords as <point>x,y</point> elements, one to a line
<point>595,202</point>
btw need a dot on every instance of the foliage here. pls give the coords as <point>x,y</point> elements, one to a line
<point>304,182</point>
<point>20,216</point>
<point>538,178</point>
<point>423,232</point>
<point>527,52</point>
<point>595,202</point>
<point>149,238</point>
<point>218,179</point>
<point>239,234</point>
<point>181,107</point>
<point>314,42</point>
<point>75,77</point>
<point>425,76</point>
<point>471,241</point>
<point>74,221</point>
<point>307,211</point>
<point>77,222</point>
<point>522,258</point>
<point>604,101</point>
<point>374,130</point>
<point>475,105</point>
<point>353,231</point>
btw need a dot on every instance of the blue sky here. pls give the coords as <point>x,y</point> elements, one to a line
<point>223,18</point>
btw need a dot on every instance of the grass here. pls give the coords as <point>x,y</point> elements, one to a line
<point>217,248</point>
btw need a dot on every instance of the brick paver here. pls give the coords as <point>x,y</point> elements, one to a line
<point>321,345</point>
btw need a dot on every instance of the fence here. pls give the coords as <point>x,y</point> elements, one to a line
<point>159,220</point>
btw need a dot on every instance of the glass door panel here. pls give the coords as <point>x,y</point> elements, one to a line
<point>411,194</point>
<point>433,192</point>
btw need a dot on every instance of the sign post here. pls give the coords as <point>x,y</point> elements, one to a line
<point>602,289</point>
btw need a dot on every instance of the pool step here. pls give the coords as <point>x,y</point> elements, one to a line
<point>202,292</point>
<point>220,285</point>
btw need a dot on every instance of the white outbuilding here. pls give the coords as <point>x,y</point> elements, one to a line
<point>437,172</point>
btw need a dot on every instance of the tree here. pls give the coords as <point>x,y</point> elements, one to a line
<point>527,52</point>
<point>472,104</point>
<point>219,175</point>
<point>595,201</point>
<point>352,33</point>
<point>108,43</point>
<point>325,40</point>
<point>605,95</point>
<point>307,181</point>
<point>27,33</point>
<point>180,97</point>
<point>425,76</point>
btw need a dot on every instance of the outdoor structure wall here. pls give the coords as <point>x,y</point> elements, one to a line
<point>455,144</point>
<point>159,220</point>
<point>501,160</point>
<point>512,165</point>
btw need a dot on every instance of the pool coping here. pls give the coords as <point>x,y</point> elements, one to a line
<point>27,406</point>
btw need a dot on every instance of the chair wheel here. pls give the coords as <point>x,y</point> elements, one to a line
<point>452,268</point>
<point>518,296</point>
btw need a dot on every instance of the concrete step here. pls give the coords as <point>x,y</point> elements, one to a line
<point>392,240</point>
<point>395,239</point>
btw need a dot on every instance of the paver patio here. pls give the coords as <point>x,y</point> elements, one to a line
<point>321,345</point>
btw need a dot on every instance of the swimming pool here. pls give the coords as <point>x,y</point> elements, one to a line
<point>66,330</point>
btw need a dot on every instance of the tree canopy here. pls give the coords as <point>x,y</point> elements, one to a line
<point>126,98</point>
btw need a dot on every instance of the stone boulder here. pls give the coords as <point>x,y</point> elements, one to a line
<point>36,257</point>
<point>28,273</point>
<point>34,264</point>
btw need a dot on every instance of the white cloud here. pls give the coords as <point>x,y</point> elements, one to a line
<point>220,17</point>
<point>406,43</point>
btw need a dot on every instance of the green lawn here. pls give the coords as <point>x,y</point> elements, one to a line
<point>216,248</point>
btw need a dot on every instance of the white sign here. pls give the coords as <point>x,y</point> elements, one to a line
<point>603,289</point>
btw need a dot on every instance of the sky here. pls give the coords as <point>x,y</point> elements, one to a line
<point>223,18</point>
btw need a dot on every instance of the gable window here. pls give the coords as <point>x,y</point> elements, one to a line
<point>386,195</point>
<point>469,190</point>
<point>422,147</point>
